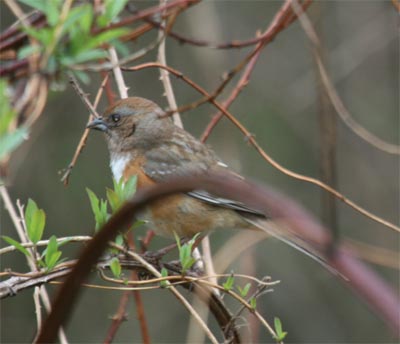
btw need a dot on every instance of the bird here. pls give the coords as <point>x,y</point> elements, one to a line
<point>143,141</point>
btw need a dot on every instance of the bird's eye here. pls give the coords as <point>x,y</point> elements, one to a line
<point>115,117</point>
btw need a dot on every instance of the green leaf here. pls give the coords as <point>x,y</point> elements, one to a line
<point>99,208</point>
<point>52,246</point>
<point>83,56</point>
<point>280,335</point>
<point>253,303</point>
<point>177,240</point>
<point>52,254</point>
<point>228,284</point>
<point>112,9</point>
<point>28,50</point>
<point>243,292</point>
<point>35,220</point>
<point>164,273</point>
<point>129,188</point>
<point>115,267</point>
<point>17,245</point>
<point>36,4</point>
<point>7,112</point>
<point>30,209</point>
<point>52,11</point>
<point>52,260</point>
<point>113,199</point>
<point>43,35</point>
<point>119,239</point>
<point>86,20</point>
<point>10,141</point>
<point>105,37</point>
<point>76,16</point>
<point>185,252</point>
<point>118,187</point>
<point>51,8</point>
<point>82,76</point>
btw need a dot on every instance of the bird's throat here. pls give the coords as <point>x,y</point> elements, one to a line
<point>118,164</point>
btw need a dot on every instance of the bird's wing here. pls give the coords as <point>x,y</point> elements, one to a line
<point>225,203</point>
<point>163,164</point>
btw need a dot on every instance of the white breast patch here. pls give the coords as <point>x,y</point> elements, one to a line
<point>118,165</point>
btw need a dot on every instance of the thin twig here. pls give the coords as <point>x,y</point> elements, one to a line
<point>243,81</point>
<point>119,317</point>
<point>236,44</point>
<point>83,96</point>
<point>77,238</point>
<point>119,79</point>
<point>280,21</point>
<point>83,139</point>
<point>38,308</point>
<point>164,75</point>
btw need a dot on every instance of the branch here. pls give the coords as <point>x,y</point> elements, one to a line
<point>83,139</point>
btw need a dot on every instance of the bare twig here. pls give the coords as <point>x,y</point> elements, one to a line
<point>83,96</point>
<point>239,87</point>
<point>164,76</point>
<point>122,88</point>
<point>119,317</point>
<point>236,44</point>
<point>83,139</point>
<point>277,25</point>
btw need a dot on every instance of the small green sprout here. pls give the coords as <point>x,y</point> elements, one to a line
<point>280,335</point>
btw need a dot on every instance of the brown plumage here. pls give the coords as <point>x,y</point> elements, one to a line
<point>144,142</point>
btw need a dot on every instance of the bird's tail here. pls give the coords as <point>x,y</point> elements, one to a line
<point>289,238</point>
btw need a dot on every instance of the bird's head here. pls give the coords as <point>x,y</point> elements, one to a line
<point>133,123</point>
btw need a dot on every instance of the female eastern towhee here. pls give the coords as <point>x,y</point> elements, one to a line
<point>143,141</point>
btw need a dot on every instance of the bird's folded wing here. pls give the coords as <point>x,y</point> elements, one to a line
<point>225,203</point>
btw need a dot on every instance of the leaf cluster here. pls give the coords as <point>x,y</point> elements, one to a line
<point>10,138</point>
<point>116,197</point>
<point>70,40</point>
<point>35,221</point>
<point>185,252</point>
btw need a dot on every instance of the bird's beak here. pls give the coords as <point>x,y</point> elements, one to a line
<point>98,124</point>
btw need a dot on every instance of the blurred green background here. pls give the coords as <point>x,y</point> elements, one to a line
<point>280,107</point>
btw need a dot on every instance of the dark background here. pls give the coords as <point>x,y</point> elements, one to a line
<point>280,107</point>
